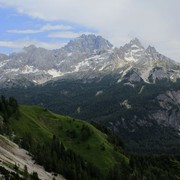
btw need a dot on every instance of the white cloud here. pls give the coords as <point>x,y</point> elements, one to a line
<point>173,47</point>
<point>154,21</point>
<point>10,44</point>
<point>20,44</point>
<point>67,34</point>
<point>47,27</point>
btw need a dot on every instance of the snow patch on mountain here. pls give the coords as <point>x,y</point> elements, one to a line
<point>29,69</point>
<point>55,73</point>
<point>3,63</point>
<point>12,70</point>
<point>69,54</point>
<point>81,65</point>
<point>129,57</point>
<point>125,71</point>
<point>103,67</point>
<point>99,93</point>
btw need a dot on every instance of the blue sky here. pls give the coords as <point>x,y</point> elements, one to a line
<point>19,30</point>
<point>52,23</point>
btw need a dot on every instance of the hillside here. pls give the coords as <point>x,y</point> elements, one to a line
<point>43,124</point>
<point>140,113</point>
<point>37,126</point>
<point>76,149</point>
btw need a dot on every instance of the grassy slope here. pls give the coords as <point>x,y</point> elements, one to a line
<point>43,124</point>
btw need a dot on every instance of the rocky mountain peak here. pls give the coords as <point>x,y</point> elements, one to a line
<point>88,44</point>
<point>151,50</point>
<point>133,45</point>
<point>30,48</point>
<point>135,41</point>
<point>133,50</point>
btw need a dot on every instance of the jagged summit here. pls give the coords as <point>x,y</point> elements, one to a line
<point>30,47</point>
<point>151,50</point>
<point>133,50</point>
<point>135,41</point>
<point>88,43</point>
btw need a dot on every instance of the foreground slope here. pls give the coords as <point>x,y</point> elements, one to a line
<point>76,149</point>
<point>42,124</point>
<point>11,155</point>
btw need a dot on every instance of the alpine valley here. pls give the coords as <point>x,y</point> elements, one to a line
<point>132,90</point>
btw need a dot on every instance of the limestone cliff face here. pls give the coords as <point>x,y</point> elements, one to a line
<point>169,114</point>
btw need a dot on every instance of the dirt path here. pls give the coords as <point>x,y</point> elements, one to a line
<point>11,153</point>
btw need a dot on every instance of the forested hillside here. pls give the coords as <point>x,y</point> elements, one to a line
<point>79,150</point>
<point>145,115</point>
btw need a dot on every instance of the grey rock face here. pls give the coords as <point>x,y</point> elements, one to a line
<point>88,44</point>
<point>3,57</point>
<point>158,73</point>
<point>133,76</point>
<point>169,115</point>
<point>39,58</point>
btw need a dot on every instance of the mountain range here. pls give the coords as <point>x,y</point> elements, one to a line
<point>132,90</point>
<point>86,57</point>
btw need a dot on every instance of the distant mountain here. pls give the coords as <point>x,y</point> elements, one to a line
<point>86,57</point>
